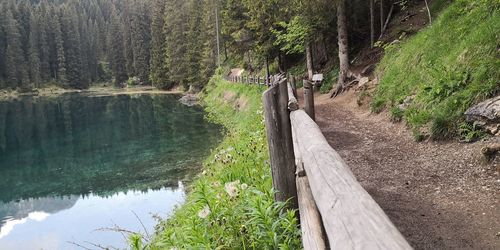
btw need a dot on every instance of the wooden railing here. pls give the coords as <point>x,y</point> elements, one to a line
<point>335,211</point>
<point>252,79</point>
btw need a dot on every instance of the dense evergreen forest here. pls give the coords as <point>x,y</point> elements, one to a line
<point>164,43</point>
<point>75,43</point>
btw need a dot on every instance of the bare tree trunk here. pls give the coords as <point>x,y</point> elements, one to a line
<point>372,22</point>
<point>382,16</point>
<point>268,74</point>
<point>309,61</point>
<point>343,47</point>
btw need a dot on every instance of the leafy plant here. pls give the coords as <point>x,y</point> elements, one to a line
<point>470,132</point>
<point>397,114</point>
<point>329,80</point>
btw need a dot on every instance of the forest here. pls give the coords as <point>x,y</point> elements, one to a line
<point>73,43</point>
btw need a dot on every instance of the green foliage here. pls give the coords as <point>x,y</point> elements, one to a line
<point>329,80</point>
<point>396,114</point>
<point>291,37</point>
<point>231,204</point>
<point>470,132</point>
<point>135,241</point>
<point>447,67</point>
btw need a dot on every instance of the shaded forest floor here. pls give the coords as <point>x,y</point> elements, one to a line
<point>441,195</point>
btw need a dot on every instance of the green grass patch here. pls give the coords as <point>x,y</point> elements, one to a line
<point>447,67</point>
<point>231,204</point>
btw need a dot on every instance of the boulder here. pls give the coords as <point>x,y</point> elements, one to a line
<point>486,114</point>
<point>189,100</point>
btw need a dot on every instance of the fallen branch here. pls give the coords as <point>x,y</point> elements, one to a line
<point>428,12</point>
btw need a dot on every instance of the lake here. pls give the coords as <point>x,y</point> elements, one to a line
<point>76,167</point>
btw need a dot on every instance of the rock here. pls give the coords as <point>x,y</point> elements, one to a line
<point>486,114</point>
<point>406,103</point>
<point>189,100</point>
<point>363,81</point>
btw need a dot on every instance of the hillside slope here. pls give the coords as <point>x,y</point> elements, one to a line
<point>433,77</point>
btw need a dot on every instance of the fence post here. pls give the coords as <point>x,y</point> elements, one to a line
<point>279,137</point>
<point>309,99</point>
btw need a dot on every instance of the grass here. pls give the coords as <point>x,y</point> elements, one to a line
<point>446,68</point>
<point>230,205</point>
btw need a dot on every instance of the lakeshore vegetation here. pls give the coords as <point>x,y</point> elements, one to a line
<point>231,203</point>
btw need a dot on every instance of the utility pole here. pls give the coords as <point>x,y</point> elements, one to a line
<point>217,27</point>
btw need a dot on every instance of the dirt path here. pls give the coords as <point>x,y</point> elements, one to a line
<point>439,195</point>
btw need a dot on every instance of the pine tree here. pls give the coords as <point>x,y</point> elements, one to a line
<point>159,72</point>
<point>14,60</point>
<point>33,54</point>
<point>3,43</point>
<point>194,76</point>
<point>72,49</point>
<point>141,39</point>
<point>176,47</point>
<point>43,46</point>
<point>209,56</point>
<point>116,51</point>
<point>60,58</point>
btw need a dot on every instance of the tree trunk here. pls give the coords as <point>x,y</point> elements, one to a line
<point>372,22</point>
<point>343,47</point>
<point>309,61</point>
<point>382,16</point>
<point>268,74</point>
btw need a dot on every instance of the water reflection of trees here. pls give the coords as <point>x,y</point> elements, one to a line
<point>76,145</point>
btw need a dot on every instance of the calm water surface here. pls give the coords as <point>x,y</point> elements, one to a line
<point>75,166</point>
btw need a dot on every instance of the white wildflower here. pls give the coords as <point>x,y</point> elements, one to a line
<point>244,186</point>
<point>204,212</point>
<point>232,188</point>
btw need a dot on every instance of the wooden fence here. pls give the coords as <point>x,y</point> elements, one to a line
<point>252,79</point>
<point>335,211</point>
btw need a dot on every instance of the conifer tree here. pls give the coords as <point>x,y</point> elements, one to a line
<point>195,46</point>
<point>33,54</point>
<point>43,46</point>
<point>176,46</point>
<point>116,56</point>
<point>209,56</point>
<point>141,38</point>
<point>60,58</point>
<point>2,47</point>
<point>72,49</point>
<point>159,71</point>
<point>14,60</point>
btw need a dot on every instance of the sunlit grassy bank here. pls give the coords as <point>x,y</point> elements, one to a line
<point>230,205</point>
<point>443,70</point>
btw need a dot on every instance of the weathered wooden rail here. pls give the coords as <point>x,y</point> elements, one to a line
<point>335,211</point>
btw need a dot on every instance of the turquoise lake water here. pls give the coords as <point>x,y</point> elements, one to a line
<point>75,166</point>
